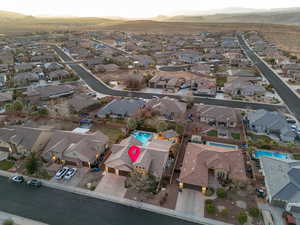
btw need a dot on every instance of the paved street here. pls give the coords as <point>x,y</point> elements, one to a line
<point>57,207</point>
<point>286,94</point>
<point>102,88</point>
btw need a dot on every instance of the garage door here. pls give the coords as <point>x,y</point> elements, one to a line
<point>111,170</point>
<point>193,187</point>
<point>123,173</point>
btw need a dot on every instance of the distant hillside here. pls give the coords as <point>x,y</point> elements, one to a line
<point>291,17</point>
<point>7,16</point>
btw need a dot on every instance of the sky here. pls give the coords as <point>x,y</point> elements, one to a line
<point>132,8</point>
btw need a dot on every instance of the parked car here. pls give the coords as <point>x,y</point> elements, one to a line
<point>70,173</point>
<point>61,173</point>
<point>34,183</point>
<point>17,179</point>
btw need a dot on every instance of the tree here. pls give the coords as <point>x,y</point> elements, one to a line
<point>242,217</point>
<point>162,126</point>
<point>221,193</point>
<point>18,106</point>
<point>210,208</point>
<point>32,163</point>
<point>131,124</point>
<point>254,212</point>
<point>9,108</point>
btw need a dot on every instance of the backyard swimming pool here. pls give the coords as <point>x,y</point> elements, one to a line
<point>221,145</point>
<point>143,137</point>
<point>261,153</point>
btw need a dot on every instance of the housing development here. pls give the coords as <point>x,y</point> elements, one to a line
<point>203,127</point>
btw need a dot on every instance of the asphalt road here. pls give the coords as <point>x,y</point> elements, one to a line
<point>287,95</point>
<point>102,88</point>
<point>57,207</point>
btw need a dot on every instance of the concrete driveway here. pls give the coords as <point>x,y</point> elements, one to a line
<point>190,202</point>
<point>111,184</point>
<point>75,180</point>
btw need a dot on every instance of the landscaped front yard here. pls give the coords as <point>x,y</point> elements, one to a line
<point>236,206</point>
<point>6,164</point>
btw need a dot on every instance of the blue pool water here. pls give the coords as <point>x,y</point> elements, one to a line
<point>143,137</point>
<point>221,145</point>
<point>261,153</point>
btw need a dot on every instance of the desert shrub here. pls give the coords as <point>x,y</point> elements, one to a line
<point>210,208</point>
<point>221,193</point>
<point>254,212</point>
<point>242,217</point>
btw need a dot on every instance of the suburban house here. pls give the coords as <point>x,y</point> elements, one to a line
<point>263,121</point>
<point>203,87</point>
<point>25,78</point>
<point>72,148</point>
<point>5,97</point>
<point>53,66</point>
<point>241,73</point>
<point>243,86</point>
<point>107,68</point>
<point>204,163</point>
<point>282,180</point>
<point>23,140</point>
<point>121,108</point>
<point>168,108</point>
<point>59,75</point>
<point>45,93</point>
<point>130,155</point>
<point>217,115</point>
<point>82,102</point>
<point>23,67</point>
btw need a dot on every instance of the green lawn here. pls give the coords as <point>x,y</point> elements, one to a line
<point>212,133</point>
<point>6,165</point>
<point>236,136</point>
<point>113,133</point>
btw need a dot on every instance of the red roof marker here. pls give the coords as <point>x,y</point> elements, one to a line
<point>134,153</point>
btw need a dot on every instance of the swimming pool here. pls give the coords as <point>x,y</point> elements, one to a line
<point>261,153</point>
<point>221,145</point>
<point>143,137</point>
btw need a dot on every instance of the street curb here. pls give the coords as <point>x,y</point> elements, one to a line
<point>126,202</point>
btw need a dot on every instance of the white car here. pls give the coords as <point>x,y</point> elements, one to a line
<point>61,173</point>
<point>70,173</point>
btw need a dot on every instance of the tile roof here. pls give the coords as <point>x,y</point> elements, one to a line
<point>200,158</point>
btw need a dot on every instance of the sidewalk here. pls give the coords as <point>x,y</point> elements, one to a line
<point>126,202</point>
<point>18,220</point>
